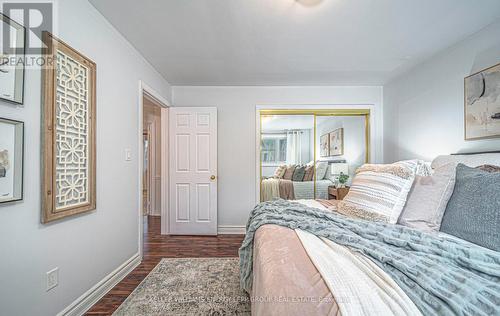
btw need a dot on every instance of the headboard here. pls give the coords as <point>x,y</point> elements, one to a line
<point>468,159</point>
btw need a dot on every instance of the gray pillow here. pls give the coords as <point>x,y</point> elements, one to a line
<point>428,198</point>
<point>321,167</point>
<point>473,212</point>
<point>298,174</point>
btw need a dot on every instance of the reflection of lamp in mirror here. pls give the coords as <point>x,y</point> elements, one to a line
<point>336,169</point>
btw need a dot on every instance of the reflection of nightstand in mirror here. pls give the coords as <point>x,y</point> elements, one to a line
<point>337,193</point>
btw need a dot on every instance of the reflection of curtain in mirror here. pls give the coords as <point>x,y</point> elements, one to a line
<point>293,147</point>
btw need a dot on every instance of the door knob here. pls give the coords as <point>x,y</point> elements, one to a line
<point>212,178</point>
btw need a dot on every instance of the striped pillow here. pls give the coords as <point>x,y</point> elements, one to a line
<point>378,192</point>
<point>289,172</point>
<point>279,172</point>
<point>308,176</point>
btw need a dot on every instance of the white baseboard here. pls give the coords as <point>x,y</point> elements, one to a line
<point>231,229</point>
<point>89,298</point>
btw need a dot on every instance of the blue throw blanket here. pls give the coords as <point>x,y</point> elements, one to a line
<point>441,276</point>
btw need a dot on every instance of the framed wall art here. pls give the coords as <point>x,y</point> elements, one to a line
<point>11,160</point>
<point>324,145</point>
<point>482,104</point>
<point>12,60</point>
<point>336,142</point>
<point>69,131</point>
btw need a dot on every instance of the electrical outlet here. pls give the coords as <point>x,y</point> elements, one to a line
<point>52,278</point>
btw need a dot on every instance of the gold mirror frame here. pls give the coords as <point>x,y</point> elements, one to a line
<point>315,113</point>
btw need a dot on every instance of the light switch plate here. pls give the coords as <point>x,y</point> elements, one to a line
<point>52,278</point>
<point>128,154</point>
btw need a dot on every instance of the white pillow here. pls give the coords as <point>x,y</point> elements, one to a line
<point>378,192</point>
<point>428,198</point>
<point>279,172</point>
<point>321,168</point>
<point>420,167</point>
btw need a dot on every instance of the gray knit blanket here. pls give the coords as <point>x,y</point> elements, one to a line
<point>441,276</point>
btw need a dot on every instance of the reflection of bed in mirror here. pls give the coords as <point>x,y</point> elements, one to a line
<point>302,155</point>
<point>298,188</point>
<point>305,190</point>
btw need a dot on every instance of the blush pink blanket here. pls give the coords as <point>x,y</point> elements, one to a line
<point>285,281</point>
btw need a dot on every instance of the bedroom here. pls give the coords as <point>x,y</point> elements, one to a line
<point>414,66</point>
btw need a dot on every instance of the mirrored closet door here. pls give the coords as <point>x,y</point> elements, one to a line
<point>341,148</point>
<point>287,149</point>
<point>305,154</point>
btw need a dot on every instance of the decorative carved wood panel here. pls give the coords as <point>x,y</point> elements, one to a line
<point>68,187</point>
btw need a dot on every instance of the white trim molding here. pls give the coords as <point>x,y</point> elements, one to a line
<point>94,294</point>
<point>231,230</point>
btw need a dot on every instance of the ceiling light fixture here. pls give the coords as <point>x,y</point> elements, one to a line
<point>309,3</point>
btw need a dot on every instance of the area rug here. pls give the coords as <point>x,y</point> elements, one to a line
<point>189,286</point>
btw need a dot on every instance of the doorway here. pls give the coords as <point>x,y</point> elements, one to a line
<point>151,158</point>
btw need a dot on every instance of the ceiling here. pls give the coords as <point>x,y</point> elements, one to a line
<point>293,42</point>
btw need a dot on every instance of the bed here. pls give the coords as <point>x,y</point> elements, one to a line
<point>294,190</point>
<point>285,279</point>
<point>278,254</point>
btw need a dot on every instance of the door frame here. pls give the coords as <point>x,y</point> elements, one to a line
<point>146,90</point>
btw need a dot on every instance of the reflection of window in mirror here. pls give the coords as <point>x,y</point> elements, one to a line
<point>274,148</point>
<point>287,145</point>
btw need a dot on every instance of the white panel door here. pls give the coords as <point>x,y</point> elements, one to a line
<point>193,171</point>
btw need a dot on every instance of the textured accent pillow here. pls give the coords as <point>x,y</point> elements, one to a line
<point>378,192</point>
<point>298,174</point>
<point>279,172</point>
<point>420,167</point>
<point>473,212</point>
<point>309,174</point>
<point>489,168</point>
<point>321,167</point>
<point>428,198</point>
<point>289,172</point>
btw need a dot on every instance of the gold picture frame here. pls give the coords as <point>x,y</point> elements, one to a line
<point>336,142</point>
<point>324,150</point>
<point>68,131</point>
<point>482,104</point>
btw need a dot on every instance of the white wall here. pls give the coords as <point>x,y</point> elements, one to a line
<point>424,108</point>
<point>86,248</point>
<point>237,132</point>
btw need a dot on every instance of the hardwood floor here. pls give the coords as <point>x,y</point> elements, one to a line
<point>156,247</point>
